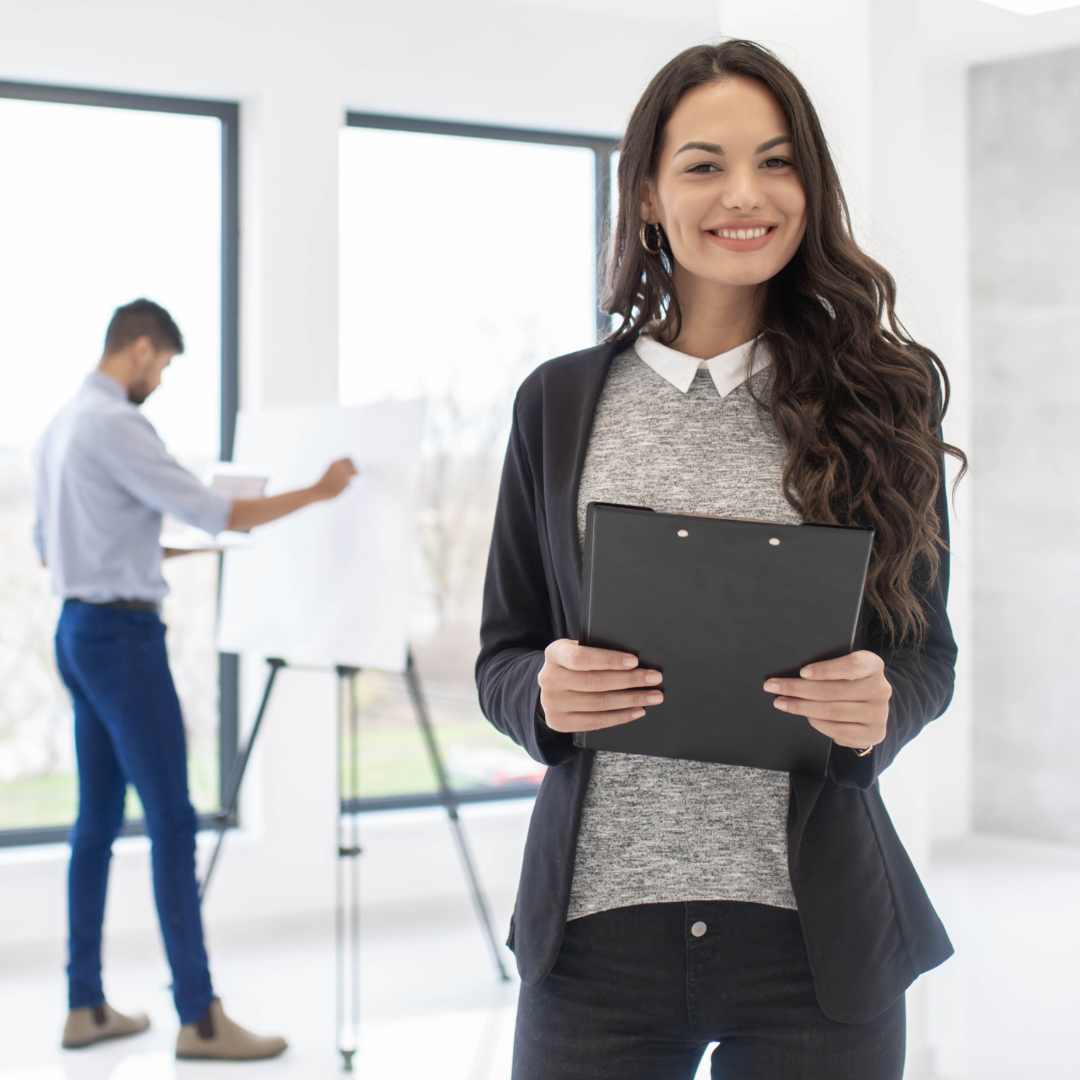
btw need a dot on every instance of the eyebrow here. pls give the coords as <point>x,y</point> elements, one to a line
<point>716,148</point>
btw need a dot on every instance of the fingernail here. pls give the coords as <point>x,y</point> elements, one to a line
<point>629,661</point>
<point>654,698</point>
<point>637,714</point>
<point>781,703</point>
<point>653,677</point>
<point>772,686</point>
<point>807,673</point>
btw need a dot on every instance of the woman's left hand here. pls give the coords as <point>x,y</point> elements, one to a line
<point>846,698</point>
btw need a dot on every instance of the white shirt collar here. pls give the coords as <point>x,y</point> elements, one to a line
<point>728,370</point>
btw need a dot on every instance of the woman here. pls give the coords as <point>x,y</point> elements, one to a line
<point>758,370</point>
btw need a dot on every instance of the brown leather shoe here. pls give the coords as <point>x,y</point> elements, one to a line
<point>84,1027</point>
<point>216,1036</point>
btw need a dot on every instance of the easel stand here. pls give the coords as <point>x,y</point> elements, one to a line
<point>347,919</point>
<point>347,908</point>
<point>230,799</point>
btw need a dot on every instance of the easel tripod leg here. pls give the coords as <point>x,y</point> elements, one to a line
<point>226,816</point>
<point>450,804</point>
<point>347,919</point>
<point>479,903</point>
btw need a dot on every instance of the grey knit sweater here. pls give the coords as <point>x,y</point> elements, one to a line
<point>655,830</point>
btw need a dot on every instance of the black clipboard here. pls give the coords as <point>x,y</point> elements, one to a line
<point>719,605</point>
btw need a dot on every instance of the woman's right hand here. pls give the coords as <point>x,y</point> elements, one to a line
<point>582,689</point>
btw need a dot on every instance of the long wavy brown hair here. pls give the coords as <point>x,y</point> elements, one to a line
<point>857,401</point>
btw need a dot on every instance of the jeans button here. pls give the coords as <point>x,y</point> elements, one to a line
<point>698,929</point>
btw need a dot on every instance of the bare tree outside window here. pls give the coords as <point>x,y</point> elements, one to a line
<point>76,231</point>
<point>487,300</point>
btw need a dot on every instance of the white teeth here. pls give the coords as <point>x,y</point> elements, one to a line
<point>741,234</point>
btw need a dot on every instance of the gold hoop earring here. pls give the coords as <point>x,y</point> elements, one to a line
<point>644,237</point>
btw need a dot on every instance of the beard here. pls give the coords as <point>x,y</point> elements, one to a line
<point>138,393</point>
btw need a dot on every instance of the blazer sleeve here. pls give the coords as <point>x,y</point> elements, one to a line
<point>922,677</point>
<point>516,624</point>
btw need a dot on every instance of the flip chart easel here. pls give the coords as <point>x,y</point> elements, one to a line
<point>328,590</point>
<point>347,908</point>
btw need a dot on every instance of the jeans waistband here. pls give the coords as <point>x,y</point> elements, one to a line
<point>126,605</point>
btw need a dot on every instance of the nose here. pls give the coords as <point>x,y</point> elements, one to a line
<point>742,190</point>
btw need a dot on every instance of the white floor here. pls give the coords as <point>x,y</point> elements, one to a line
<point>431,1006</point>
<point>1007,1005</point>
<point>1005,1008</point>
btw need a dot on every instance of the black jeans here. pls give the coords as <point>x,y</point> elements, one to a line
<point>636,995</point>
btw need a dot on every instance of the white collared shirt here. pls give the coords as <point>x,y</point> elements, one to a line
<point>728,370</point>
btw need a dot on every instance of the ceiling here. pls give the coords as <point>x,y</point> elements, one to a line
<point>705,13</point>
<point>972,32</point>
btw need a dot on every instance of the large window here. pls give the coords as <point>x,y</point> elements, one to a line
<point>103,198</point>
<point>468,256</point>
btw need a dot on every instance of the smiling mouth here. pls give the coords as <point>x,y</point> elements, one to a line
<point>743,234</point>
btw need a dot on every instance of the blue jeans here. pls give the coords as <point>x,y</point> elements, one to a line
<point>128,729</point>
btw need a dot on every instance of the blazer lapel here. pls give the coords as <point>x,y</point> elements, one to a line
<point>568,419</point>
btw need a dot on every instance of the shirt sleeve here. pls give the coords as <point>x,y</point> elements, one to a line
<point>39,533</point>
<point>39,536</point>
<point>128,448</point>
<point>40,497</point>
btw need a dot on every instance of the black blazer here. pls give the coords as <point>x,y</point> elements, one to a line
<point>869,926</point>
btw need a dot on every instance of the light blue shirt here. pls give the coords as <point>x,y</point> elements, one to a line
<point>103,481</point>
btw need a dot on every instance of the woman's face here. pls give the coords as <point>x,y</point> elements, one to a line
<point>726,191</point>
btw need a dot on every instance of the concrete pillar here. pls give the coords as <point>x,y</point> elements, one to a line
<point>289,246</point>
<point>289,357</point>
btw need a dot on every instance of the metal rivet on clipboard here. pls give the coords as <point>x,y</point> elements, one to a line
<point>683,533</point>
<point>774,542</point>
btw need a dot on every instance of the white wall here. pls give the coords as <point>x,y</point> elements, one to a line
<point>944,318</point>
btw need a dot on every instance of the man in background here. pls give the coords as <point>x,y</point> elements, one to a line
<point>103,481</point>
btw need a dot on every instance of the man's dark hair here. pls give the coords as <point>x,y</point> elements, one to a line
<point>143,318</point>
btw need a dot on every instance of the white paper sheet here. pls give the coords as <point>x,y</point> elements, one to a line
<point>328,585</point>
<point>228,478</point>
<point>188,538</point>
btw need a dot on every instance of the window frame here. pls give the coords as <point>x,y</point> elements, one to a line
<point>228,113</point>
<point>603,147</point>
